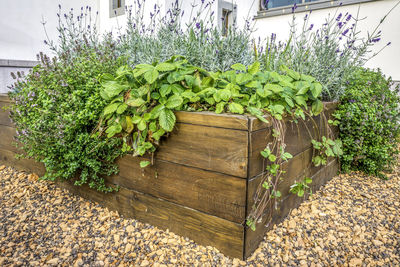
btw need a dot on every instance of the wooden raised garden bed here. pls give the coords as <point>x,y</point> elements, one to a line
<point>204,177</point>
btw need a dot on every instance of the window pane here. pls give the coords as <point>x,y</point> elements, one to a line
<point>278,3</point>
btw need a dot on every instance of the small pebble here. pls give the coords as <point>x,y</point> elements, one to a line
<point>354,220</point>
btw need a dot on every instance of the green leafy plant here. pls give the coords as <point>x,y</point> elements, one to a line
<point>326,148</point>
<point>142,100</point>
<point>55,108</point>
<point>299,188</point>
<point>369,115</point>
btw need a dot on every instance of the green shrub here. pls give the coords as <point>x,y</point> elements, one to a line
<point>369,123</point>
<point>57,106</point>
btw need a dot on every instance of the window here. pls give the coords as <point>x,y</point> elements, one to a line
<point>270,8</point>
<point>117,8</point>
<point>267,4</point>
<point>226,15</point>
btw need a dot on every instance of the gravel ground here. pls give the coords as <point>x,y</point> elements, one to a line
<point>354,220</point>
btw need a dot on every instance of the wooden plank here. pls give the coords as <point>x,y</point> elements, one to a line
<point>8,158</point>
<point>230,121</point>
<point>4,98</point>
<point>296,169</point>
<point>215,149</point>
<point>298,138</point>
<point>7,141</point>
<point>4,119</point>
<point>253,238</point>
<point>255,124</point>
<point>213,193</point>
<point>203,228</point>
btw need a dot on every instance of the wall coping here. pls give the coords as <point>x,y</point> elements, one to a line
<point>18,63</point>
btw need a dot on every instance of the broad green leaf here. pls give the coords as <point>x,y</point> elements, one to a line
<point>254,111</point>
<point>122,108</point>
<point>129,124</point>
<point>272,157</point>
<point>174,101</point>
<point>113,130</point>
<point>111,108</point>
<point>157,135</point>
<point>142,125</point>
<point>224,94</point>
<point>308,180</point>
<point>300,100</point>
<point>167,119</point>
<point>307,78</point>
<point>317,107</point>
<point>254,68</point>
<point>278,108</point>
<point>220,107</point>
<point>273,87</point>
<point>136,102</point>
<point>165,66</point>
<point>253,84</point>
<point>144,163</point>
<point>300,193</point>
<point>236,108</point>
<point>295,75</point>
<point>151,76</point>
<point>155,112</point>
<point>243,78</point>
<point>239,66</point>
<point>136,119</point>
<point>165,89</point>
<point>316,90</point>
<point>113,88</point>
<point>304,89</point>
<point>264,92</point>
<point>289,101</point>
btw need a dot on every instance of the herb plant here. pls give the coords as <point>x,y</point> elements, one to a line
<point>369,115</point>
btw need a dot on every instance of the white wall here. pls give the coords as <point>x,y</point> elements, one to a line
<point>21,31</point>
<point>387,60</point>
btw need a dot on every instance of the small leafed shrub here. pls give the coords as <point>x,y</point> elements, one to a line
<point>55,109</point>
<point>369,123</point>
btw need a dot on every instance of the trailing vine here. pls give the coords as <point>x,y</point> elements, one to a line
<point>142,101</point>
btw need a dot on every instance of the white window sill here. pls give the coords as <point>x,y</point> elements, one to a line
<point>277,11</point>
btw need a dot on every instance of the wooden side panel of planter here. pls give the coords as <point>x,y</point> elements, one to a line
<point>297,138</point>
<point>209,148</point>
<point>286,203</point>
<point>211,192</point>
<point>205,229</point>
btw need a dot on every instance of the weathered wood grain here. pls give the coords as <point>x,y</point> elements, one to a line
<point>7,141</point>
<point>4,98</point>
<point>255,124</point>
<point>205,229</point>
<point>214,193</point>
<point>4,119</point>
<point>298,137</point>
<point>291,201</point>
<point>296,169</point>
<point>209,148</point>
<point>8,158</point>
<point>229,121</point>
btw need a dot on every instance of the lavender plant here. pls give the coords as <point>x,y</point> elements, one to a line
<point>199,40</point>
<point>329,53</point>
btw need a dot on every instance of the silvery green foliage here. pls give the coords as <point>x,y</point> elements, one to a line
<point>329,53</point>
<point>200,41</point>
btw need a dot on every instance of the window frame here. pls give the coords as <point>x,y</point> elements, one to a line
<point>231,8</point>
<point>306,6</point>
<point>115,12</point>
